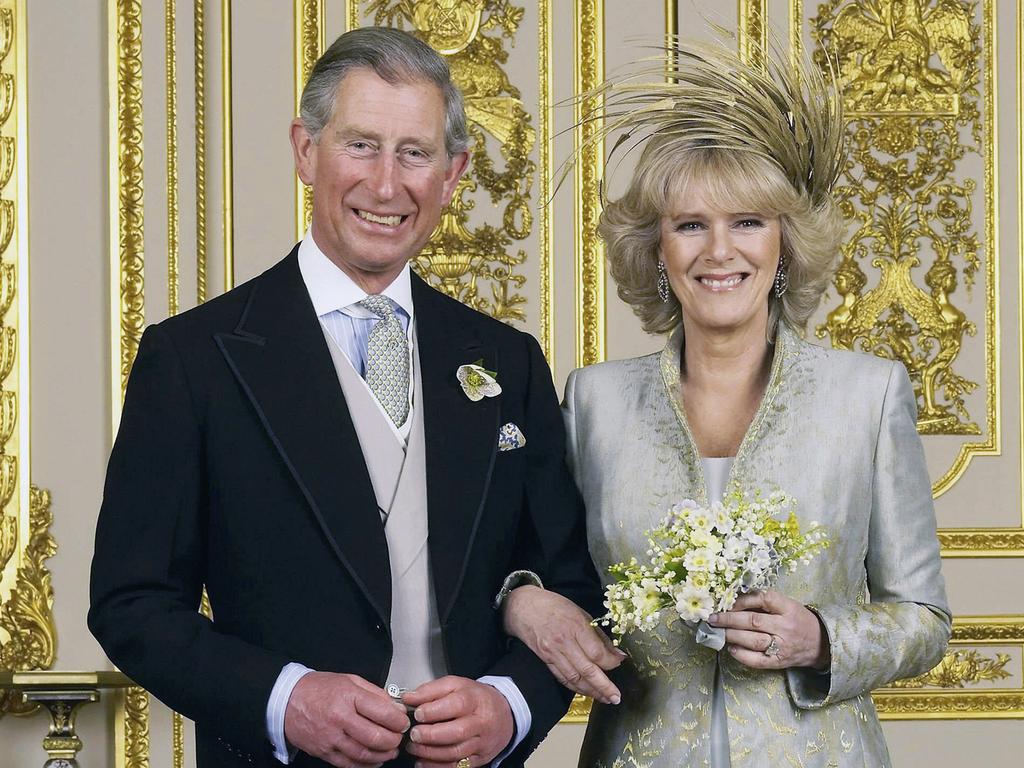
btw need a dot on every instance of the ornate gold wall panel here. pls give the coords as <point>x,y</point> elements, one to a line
<point>199,64</point>
<point>309,44</point>
<point>481,265</point>
<point>919,85</point>
<point>28,637</point>
<point>227,145</point>
<point>127,317</point>
<point>589,167</point>
<point>752,35</point>
<point>171,85</point>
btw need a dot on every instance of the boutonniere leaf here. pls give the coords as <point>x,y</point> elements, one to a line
<point>477,382</point>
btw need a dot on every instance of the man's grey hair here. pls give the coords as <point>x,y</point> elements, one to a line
<point>395,57</point>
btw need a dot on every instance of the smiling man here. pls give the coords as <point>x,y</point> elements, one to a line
<point>306,447</point>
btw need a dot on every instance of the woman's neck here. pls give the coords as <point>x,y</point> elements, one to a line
<point>730,360</point>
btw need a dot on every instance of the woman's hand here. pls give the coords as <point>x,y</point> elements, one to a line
<point>767,630</point>
<point>559,632</point>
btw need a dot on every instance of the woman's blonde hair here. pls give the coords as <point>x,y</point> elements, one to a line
<point>730,180</point>
<point>763,137</point>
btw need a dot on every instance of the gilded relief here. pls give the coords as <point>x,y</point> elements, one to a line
<point>959,669</point>
<point>460,259</point>
<point>910,74</point>
<point>27,633</point>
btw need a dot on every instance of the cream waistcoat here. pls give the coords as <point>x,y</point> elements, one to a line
<point>399,478</point>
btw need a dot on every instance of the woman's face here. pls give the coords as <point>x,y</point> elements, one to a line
<point>721,264</point>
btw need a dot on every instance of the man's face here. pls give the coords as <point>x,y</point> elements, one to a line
<point>380,175</point>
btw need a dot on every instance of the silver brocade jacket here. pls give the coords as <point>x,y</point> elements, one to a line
<point>835,430</point>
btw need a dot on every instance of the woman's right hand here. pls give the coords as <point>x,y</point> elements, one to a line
<point>560,633</point>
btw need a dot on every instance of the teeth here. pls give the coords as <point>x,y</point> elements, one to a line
<point>390,221</point>
<point>727,283</point>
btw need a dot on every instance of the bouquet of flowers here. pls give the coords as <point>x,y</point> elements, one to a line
<point>702,558</point>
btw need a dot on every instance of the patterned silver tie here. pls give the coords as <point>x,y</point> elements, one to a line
<point>387,359</point>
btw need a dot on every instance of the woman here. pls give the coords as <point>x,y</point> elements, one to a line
<point>725,238</point>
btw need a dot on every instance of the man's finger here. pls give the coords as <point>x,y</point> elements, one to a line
<point>354,753</point>
<point>600,650</point>
<point>372,735</point>
<point>448,707</point>
<point>382,711</point>
<point>448,754</point>
<point>443,734</point>
<point>433,689</point>
<point>589,672</point>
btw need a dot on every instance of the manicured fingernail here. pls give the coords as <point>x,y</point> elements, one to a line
<point>620,652</point>
<point>417,716</point>
<point>616,699</point>
<point>414,735</point>
<point>712,618</point>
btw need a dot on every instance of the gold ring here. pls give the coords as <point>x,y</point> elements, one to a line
<point>463,763</point>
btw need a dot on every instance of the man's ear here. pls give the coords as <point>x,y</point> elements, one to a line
<point>457,166</point>
<point>304,152</point>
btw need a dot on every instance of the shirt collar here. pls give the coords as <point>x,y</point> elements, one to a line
<point>331,289</point>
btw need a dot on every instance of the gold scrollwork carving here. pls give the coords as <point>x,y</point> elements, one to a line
<point>590,266</point>
<point>911,78</point>
<point>309,44</point>
<point>26,618</point>
<point>459,258</point>
<point>132,729</point>
<point>28,636</point>
<point>127,193</point>
<point>959,669</point>
<point>753,31</point>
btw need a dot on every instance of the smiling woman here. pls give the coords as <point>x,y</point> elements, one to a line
<point>741,185</point>
<point>725,239</point>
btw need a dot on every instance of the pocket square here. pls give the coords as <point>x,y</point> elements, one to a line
<point>510,437</point>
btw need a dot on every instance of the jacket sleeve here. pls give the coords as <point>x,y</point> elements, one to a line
<point>552,543</point>
<point>903,629</point>
<point>149,565</point>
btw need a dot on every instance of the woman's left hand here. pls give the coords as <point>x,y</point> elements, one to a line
<point>767,630</point>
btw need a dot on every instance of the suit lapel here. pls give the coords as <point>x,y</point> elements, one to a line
<point>280,357</point>
<point>461,438</point>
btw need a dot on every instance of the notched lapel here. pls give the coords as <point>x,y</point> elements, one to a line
<point>280,358</point>
<point>461,439</point>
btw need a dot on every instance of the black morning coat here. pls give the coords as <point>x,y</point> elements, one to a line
<point>237,467</point>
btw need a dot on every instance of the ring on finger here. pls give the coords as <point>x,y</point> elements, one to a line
<point>773,647</point>
<point>463,763</point>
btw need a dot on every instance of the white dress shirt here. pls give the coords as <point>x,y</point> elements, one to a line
<point>335,297</point>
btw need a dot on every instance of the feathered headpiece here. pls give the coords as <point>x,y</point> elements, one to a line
<point>790,114</point>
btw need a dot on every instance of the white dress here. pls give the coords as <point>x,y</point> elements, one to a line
<point>716,474</point>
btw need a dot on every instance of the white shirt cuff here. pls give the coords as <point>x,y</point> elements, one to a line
<point>278,704</point>
<point>520,712</point>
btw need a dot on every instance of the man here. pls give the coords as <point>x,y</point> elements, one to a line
<point>317,449</point>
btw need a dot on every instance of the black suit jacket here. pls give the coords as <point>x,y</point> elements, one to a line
<point>237,467</point>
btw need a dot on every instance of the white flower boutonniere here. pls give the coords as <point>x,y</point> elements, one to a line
<point>477,382</point>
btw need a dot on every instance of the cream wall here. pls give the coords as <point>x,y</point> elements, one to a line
<point>68,158</point>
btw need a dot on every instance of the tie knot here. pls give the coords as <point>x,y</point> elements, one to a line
<point>379,305</point>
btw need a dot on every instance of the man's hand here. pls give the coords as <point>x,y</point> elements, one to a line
<point>344,720</point>
<point>458,718</point>
<point>560,633</point>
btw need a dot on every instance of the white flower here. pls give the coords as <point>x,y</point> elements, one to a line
<point>693,603</point>
<point>735,548</point>
<point>477,382</point>
<point>760,560</point>
<point>699,559</point>
<point>699,519</point>
<point>646,597</point>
